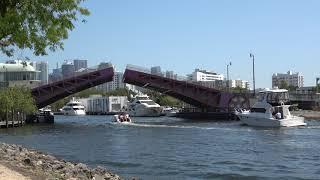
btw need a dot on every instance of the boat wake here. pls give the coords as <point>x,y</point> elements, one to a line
<point>167,126</point>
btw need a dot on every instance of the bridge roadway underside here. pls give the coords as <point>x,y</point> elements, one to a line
<point>199,96</point>
<point>49,93</point>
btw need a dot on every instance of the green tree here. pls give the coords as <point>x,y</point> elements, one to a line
<point>15,103</point>
<point>59,104</point>
<point>292,88</point>
<point>284,85</point>
<point>37,25</point>
<point>239,90</point>
<point>25,101</point>
<point>121,92</point>
<point>165,100</point>
<point>86,93</point>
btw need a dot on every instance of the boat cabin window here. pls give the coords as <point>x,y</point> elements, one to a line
<point>261,97</point>
<point>73,104</point>
<point>277,97</point>
<point>258,110</point>
<point>149,102</point>
<point>78,108</point>
<point>142,98</point>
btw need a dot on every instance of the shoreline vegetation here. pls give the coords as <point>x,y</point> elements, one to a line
<point>17,162</point>
<point>16,104</point>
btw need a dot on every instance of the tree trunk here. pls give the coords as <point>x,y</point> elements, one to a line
<point>23,117</point>
<point>12,117</point>
<point>18,118</point>
<point>7,117</point>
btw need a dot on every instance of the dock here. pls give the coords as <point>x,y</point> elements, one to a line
<point>10,124</point>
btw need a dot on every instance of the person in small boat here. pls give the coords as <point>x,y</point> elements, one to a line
<point>121,118</point>
<point>127,118</point>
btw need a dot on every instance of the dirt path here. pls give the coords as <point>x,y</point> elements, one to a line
<point>6,174</point>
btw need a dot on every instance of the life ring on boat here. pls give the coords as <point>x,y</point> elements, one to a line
<point>281,103</point>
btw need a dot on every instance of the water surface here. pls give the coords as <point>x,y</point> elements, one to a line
<point>171,148</point>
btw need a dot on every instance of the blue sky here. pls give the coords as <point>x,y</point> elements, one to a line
<point>181,35</point>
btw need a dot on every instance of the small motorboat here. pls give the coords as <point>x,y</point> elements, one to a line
<point>271,110</point>
<point>122,118</point>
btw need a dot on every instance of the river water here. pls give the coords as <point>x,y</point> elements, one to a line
<point>171,148</point>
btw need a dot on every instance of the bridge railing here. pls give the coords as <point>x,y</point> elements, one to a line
<point>138,68</point>
<point>207,84</point>
<point>148,71</point>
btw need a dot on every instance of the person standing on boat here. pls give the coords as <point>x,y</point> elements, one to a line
<point>278,115</point>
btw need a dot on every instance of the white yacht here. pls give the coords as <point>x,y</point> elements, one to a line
<point>73,107</point>
<point>271,111</point>
<point>142,106</point>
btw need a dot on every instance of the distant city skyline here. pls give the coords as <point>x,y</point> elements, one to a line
<point>182,35</point>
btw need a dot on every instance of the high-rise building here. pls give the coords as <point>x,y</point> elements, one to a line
<point>42,67</point>
<point>79,64</point>
<point>171,75</point>
<point>56,75</point>
<point>104,65</point>
<point>67,69</point>
<point>238,83</point>
<point>292,79</point>
<point>113,85</point>
<point>156,70</point>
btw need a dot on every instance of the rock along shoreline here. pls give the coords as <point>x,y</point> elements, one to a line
<point>38,165</point>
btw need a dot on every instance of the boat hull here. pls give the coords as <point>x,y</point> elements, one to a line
<point>271,122</point>
<point>74,113</point>
<point>146,112</point>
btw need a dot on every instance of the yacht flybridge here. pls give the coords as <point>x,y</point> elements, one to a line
<point>142,106</point>
<point>74,107</point>
<point>271,110</point>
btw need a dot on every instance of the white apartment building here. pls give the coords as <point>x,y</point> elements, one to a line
<point>204,75</point>
<point>293,79</point>
<point>42,67</point>
<point>18,73</point>
<point>238,83</point>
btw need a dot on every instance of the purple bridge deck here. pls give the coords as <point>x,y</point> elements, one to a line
<point>49,93</point>
<point>208,99</point>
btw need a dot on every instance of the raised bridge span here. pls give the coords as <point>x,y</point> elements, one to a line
<point>208,99</point>
<point>49,93</point>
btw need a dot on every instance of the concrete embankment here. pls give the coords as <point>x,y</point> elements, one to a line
<point>307,114</point>
<point>17,162</point>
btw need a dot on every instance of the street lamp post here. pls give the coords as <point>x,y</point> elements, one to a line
<point>254,82</point>
<point>228,83</point>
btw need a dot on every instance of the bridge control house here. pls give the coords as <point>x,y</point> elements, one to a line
<point>18,73</point>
